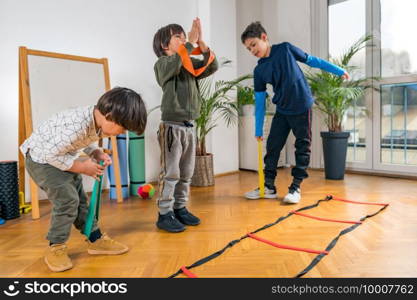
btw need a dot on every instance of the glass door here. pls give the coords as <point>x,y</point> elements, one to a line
<point>395,104</point>
<point>383,124</point>
<point>342,34</point>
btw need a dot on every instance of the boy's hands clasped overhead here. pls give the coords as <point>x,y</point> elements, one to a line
<point>193,34</point>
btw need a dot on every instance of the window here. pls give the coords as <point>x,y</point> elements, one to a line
<point>399,124</point>
<point>398,45</point>
<point>342,34</point>
<point>383,124</point>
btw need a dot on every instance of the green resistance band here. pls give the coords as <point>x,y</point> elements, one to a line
<point>94,207</point>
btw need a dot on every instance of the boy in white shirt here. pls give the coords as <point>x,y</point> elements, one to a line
<point>51,160</point>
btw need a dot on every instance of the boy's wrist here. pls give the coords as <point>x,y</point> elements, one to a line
<point>77,167</point>
<point>82,168</point>
<point>203,46</point>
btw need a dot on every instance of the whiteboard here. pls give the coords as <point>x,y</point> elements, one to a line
<point>58,84</point>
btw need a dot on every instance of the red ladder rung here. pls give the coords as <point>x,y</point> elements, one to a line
<point>359,202</point>
<point>188,273</point>
<point>285,246</point>
<point>324,219</point>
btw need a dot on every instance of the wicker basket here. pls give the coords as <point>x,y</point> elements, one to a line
<point>203,171</point>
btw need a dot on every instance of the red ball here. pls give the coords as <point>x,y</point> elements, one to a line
<point>146,191</point>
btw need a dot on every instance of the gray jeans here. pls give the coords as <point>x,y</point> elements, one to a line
<point>69,201</point>
<point>177,143</point>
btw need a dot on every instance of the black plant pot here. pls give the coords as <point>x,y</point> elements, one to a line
<point>334,152</point>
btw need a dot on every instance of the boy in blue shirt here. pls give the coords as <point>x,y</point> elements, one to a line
<point>277,65</point>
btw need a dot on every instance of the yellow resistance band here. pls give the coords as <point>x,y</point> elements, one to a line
<point>261,170</point>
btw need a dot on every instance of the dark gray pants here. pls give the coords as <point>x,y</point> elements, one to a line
<point>281,125</point>
<point>177,144</point>
<point>69,201</point>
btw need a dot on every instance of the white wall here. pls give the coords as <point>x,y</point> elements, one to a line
<point>120,30</point>
<point>247,11</point>
<point>224,141</point>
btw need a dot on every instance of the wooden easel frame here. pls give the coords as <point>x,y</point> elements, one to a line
<point>26,123</point>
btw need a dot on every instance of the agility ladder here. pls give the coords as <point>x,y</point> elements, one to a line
<point>320,253</point>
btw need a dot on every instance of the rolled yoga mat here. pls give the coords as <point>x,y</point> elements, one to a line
<point>122,151</point>
<point>9,190</point>
<point>136,162</point>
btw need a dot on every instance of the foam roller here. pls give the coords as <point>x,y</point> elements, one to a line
<point>9,190</point>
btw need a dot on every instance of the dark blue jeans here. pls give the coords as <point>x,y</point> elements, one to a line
<point>281,125</point>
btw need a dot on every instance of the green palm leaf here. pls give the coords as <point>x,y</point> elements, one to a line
<point>216,104</point>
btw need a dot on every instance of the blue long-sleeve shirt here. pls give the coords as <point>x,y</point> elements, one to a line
<point>292,94</point>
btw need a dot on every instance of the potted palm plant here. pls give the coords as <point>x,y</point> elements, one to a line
<point>245,99</point>
<point>216,104</point>
<point>333,97</point>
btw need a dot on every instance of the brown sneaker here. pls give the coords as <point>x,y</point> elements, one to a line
<point>56,257</point>
<point>105,245</point>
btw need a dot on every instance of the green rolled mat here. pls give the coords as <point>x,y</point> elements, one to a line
<point>136,162</point>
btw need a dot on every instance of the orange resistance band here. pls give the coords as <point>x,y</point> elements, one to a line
<point>357,202</point>
<point>324,219</point>
<point>188,273</point>
<point>188,64</point>
<point>286,247</point>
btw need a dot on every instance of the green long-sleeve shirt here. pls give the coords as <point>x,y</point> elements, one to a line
<point>181,98</point>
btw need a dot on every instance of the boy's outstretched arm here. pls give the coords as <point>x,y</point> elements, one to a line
<point>316,62</point>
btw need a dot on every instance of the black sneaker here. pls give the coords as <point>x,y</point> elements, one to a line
<point>185,217</point>
<point>169,223</point>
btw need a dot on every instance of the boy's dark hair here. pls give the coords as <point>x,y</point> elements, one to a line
<point>254,30</point>
<point>124,107</point>
<point>163,36</point>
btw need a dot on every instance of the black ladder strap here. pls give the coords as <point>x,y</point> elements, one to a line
<point>329,247</point>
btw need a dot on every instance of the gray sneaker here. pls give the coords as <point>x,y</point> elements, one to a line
<point>255,194</point>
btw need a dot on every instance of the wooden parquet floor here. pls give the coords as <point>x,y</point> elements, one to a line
<point>383,246</point>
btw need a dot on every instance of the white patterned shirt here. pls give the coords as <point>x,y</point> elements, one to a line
<point>59,140</point>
